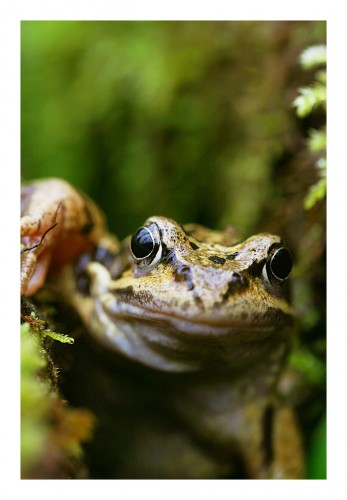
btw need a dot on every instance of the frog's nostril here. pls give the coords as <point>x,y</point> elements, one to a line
<point>183,273</point>
<point>236,284</point>
<point>185,269</point>
<point>237,278</point>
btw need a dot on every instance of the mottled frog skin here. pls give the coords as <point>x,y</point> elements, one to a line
<point>185,339</point>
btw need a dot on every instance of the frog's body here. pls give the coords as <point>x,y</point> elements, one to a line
<point>164,425</point>
<point>197,327</point>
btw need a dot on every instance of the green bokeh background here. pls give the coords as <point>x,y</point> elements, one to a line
<point>184,119</point>
<point>192,120</point>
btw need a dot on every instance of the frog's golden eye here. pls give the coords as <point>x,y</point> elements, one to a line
<point>278,266</point>
<point>145,246</point>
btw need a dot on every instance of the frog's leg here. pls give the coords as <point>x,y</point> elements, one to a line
<point>271,445</point>
<point>288,460</point>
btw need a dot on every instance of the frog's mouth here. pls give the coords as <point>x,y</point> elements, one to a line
<point>169,342</point>
<point>270,320</point>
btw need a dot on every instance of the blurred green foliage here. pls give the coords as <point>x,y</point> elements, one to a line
<point>191,120</point>
<point>184,119</point>
<point>317,456</point>
<point>51,432</point>
<point>34,404</point>
<point>308,99</point>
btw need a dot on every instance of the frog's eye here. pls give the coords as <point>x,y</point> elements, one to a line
<point>145,246</point>
<point>278,266</point>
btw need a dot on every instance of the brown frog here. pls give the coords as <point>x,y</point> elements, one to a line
<point>189,331</point>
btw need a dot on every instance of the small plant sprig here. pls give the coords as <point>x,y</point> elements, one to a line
<point>38,327</point>
<point>310,98</point>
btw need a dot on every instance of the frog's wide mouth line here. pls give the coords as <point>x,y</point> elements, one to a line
<point>123,310</point>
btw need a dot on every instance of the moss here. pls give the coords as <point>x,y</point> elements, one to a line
<point>34,400</point>
<point>51,432</point>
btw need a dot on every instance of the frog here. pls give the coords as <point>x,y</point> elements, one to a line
<point>187,334</point>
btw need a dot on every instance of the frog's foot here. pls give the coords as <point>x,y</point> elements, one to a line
<point>58,224</point>
<point>33,271</point>
<point>35,261</point>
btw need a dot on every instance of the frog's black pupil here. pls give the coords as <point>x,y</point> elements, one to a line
<point>142,243</point>
<point>281,263</point>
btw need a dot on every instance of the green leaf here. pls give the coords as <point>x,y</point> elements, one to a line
<point>317,140</point>
<point>64,339</point>
<point>316,193</point>
<point>322,76</point>
<point>310,98</point>
<point>314,56</point>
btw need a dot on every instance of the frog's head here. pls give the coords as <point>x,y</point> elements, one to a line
<point>190,295</point>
